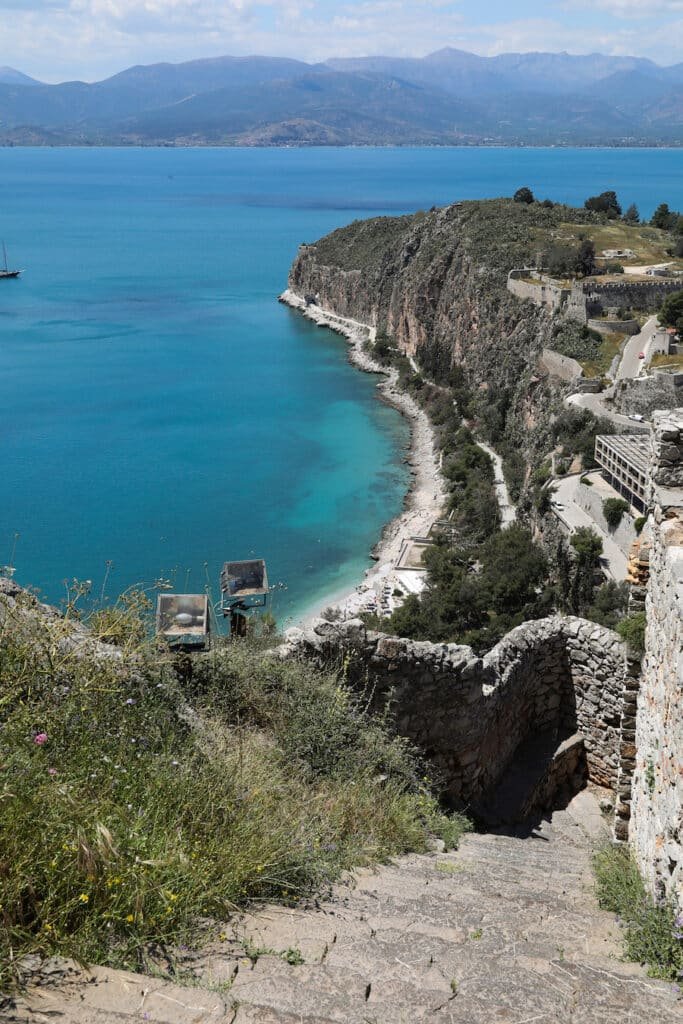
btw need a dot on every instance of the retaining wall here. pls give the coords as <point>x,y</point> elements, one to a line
<point>562,367</point>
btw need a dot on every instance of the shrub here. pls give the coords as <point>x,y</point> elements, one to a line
<point>632,630</point>
<point>135,805</point>
<point>653,933</point>
<point>613,510</point>
<point>639,523</point>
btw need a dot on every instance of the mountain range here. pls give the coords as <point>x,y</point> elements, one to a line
<point>448,97</point>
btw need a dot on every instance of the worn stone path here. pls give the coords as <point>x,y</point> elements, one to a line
<point>504,931</point>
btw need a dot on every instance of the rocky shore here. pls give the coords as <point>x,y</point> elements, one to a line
<point>427,494</point>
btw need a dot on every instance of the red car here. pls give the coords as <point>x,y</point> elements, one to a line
<point>641,355</point>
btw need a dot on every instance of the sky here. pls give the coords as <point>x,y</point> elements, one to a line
<point>58,40</point>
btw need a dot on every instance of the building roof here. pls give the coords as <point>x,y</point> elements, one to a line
<point>633,448</point>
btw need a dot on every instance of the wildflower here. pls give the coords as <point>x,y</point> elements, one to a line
<point>84,898</point>
<point>52,771</point>
<point>130,701</point>
<point>40,738</point>
<point>130,918</point>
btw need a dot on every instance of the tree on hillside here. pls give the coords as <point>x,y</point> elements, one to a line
<point>523,195</point>
<point>671,312</point>
<point>632,216</point>
<point>585,257</point>
<point>606,202</point>
<point>664,218</point>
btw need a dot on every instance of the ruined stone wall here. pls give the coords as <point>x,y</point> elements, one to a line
<point>469,714</point>
<point>656,831</point>
<point>542,292</point>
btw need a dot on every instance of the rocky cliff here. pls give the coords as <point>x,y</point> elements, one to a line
<point>435,285</point>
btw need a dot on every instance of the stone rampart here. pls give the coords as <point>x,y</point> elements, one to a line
<point>592,297</point>
<point>470,714</point>
<point>527,284</point>
<point>656,831</point>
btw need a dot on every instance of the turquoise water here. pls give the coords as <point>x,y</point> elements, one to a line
<point>158,407</point>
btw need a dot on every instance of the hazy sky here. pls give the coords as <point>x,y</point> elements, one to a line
<point>89,39</point>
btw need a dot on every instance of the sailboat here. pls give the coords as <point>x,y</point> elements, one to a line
<point>6,272</point>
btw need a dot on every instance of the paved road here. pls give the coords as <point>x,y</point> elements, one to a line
<point>596,405</point>
<point>573,516</point>
<point>631,365</point>
<point>508,512</point>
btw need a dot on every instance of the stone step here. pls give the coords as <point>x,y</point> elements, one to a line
<point>504,930</point>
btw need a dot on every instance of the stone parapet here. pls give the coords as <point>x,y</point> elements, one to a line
<point>470,714</point>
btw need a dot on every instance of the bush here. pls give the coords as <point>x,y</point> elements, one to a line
<point>632,630</point>
<point>653,933</point>
<point>134,805</point>
<point>613,510</point>
<point>639,523</point>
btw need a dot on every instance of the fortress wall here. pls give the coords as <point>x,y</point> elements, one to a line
<point>469,714</point>
<point>542,293</point>
<point>656,830</point>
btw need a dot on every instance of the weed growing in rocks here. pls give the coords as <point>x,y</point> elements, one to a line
<point>653,932</point>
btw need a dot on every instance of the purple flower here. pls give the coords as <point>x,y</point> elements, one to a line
<point>40,738</point>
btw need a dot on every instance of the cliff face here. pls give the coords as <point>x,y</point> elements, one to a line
<point>436,283</point>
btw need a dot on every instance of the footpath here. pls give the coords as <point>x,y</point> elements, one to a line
<point>504,930</point>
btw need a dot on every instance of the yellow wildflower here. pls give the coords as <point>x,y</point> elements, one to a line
<point>84,898</point>
<point>130,918</point>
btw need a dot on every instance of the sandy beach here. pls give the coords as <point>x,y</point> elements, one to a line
<point>425,499</point>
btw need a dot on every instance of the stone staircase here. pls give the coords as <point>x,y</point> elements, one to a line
<point>505,930</point>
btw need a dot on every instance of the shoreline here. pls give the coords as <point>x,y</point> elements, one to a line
<point>426,495</point>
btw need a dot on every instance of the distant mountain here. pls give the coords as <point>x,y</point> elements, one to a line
<point>12,77</point>
<point>448,97</point>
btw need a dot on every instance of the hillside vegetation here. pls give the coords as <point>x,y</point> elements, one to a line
<point>140,805</point>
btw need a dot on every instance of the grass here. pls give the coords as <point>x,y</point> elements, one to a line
<point>138,805</point>
<point>648,243</point>
<point>664,362</point>
<point>653,933</point>
<point>600,364</point>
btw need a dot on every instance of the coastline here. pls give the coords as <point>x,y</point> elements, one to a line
<point>426,495</point>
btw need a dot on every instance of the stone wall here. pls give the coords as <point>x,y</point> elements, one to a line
<point>540,290</point>
<point>656,831</point>
<point>615,326</point>
<point>563,367</point>
<point>470,714</point>
<point>592,297</point>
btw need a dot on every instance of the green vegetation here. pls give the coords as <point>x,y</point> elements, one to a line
<point>613,510</point>
<point>653,933</point>
<point>672,311</point>
<point>476,594</point>
<point>138,802</point>
<point>606,203</point>
<point>632,630</point>
<point>523,195</point>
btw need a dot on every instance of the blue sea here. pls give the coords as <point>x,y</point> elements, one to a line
<point>160,411</point>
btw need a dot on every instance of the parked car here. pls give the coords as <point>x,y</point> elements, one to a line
<point>638,417</point>
<point>641,355</point>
